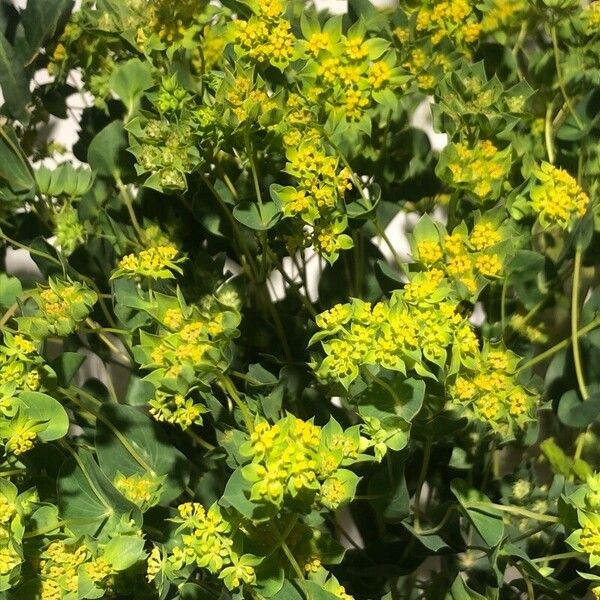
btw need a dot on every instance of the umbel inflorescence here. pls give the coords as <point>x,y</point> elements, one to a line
<point>225,371</point>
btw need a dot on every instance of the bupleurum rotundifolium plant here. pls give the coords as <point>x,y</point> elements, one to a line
<point>185,415</point>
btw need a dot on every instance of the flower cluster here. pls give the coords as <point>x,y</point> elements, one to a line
<point>586,500</point>
<point>60,307</point>
<point>321,183</point>
<point>502,14</point>
<point>556,198</point>
<point>14,508</point>
<point>164,153</point>
<point>143,490</point>
<point>70,231</point>
<point>347,74</point>
<point>470,259</point>
<point>420,326</point>
<point>297,463</point>
<point>62,565</point>
<point>479,170</point>
<point>489,387</point>
<point>266,37</point>
<point>450,19</point>
<point>156,262</point>
<point>206,542</point>
<point>189,346</point>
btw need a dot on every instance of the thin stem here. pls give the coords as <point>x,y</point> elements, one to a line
<point>574,324</point>
<point>127,201</point>
<point>8,314</point>
<point>229,388</point>
<point>32,251</point>
<point>421,480</point>
<point>515,510</point>
<point>381,383</point>
<point>43,530</point>
<point>200,440</point>
<point>122,439</point>
<point>12,472</point>
<point>561,83</point>
<point>240,238</point>
<point>383,235</point>
<point>292,284</point>
<point>560,556</point>
<point>560,346</point>
<point>291,558</point>
<point>440,525</point>
<point>548,135</point>
<point>527,580</point>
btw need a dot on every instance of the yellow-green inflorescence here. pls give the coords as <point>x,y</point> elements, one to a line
<point>421,329</point>
<point>187,347</point>
<point>297,462</point>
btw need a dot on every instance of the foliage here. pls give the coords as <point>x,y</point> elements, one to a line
<point>424,425</point>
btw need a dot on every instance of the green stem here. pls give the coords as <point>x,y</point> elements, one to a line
<point>421,480</point>
<point>122,439</point>
<point>381,383</point>
<point>561,83</point>
<point>43,530</point>
<point>12,472</point>
<point>128,202</point>
<point>560,556</point>
<point>32,251</point>
<point>515,510</point>
<point>8,314</point>
<point>292,559</point>
<point>236,232</point>
<point>200,440</point>
<point>229,388</point>
<point>548,135</point>
<point>440,525</point>
<point>560,346</point>
<point>574,325</point>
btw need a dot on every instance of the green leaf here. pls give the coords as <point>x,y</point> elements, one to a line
<point>88,500</point>
<point>10,290</point>
<point>105,148</point>
<point>460,591</point>
<point>13,166</point>
<point>43,408</point>
<point>133,443</point>
<point>14,83</point>
<point>255,217</point>
<point>66,366</point>
<point>123,551</point>
<point>432,542</point>
<point>40,19</point>
<point>487,520</point>
<point>130,80</point>
<point>574,412</point>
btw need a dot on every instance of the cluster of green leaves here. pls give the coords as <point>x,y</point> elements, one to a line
<point>172,427</point>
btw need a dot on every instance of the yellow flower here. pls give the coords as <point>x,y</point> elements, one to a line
<point>484,235</point>
<point>558,199</point>
<point>429,251</point>
<point>8,560</point>
<point>21,440</point>
<point>318,42</point>
<point>518,403</point>
<point>379,74</point>
<point>355,48</point>
<point>312,565</point>
<point>590,538</point>
<point>154,564</point>
<point>489,265</point>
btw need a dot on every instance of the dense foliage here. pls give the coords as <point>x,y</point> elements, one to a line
<point>421,426</point>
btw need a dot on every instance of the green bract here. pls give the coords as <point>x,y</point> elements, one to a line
<point>309,309</point>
